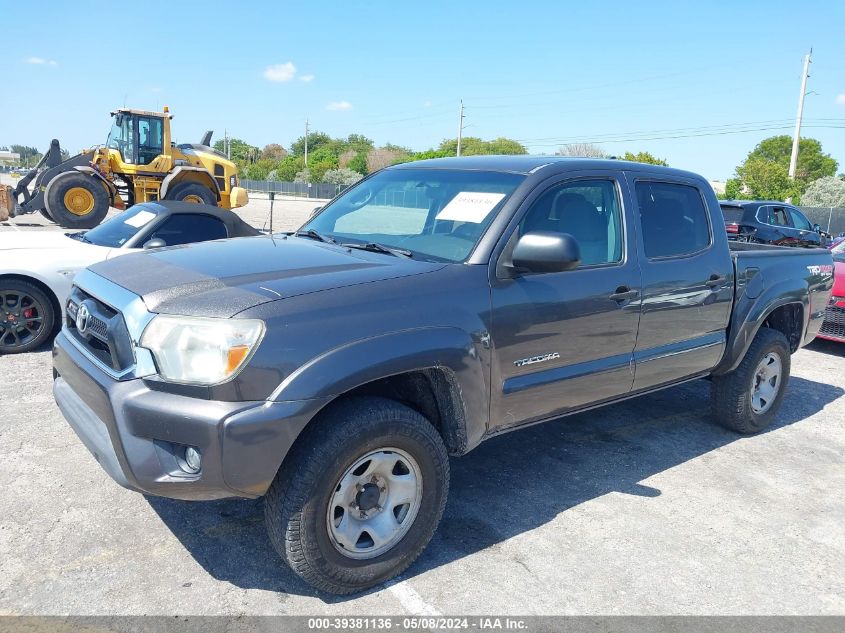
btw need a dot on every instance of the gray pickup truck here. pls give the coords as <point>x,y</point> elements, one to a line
<point>335,369</point>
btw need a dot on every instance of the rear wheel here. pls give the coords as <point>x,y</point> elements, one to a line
<point>27,317</point>
<point>192,192</point>
<point>77,201</point>
<point>747,399</point>
<point>360,495</point>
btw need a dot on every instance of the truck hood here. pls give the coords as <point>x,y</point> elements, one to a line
<point>225,277</point>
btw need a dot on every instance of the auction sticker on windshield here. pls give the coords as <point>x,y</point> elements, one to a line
<point>470,206</point>
<point>140,219</point>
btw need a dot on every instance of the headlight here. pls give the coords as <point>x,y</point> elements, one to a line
<point>201,351</point>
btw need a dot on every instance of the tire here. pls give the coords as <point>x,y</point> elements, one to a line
<point>733,395</point>
<point>77,201</point>
<point>46,214</point>
<point>19,300</point>
<point>302,504</point>
<point>192,192</point>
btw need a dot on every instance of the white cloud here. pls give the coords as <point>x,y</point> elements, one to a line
<point>841,99</point>
<point>307,78</point>
<point>280,72</point>
<point>40,61</point>
<point>339,105</point>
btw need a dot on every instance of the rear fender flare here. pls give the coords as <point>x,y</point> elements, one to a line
<point>342,369</point>
<point>750,314</point>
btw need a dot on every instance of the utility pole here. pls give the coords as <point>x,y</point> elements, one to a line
<point>460,126</point>
<point>306,142</point>
<point>796,137</point>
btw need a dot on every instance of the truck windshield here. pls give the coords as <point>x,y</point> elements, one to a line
<point>121,136</point>
<point>437,214</point>
<point>114,233</point>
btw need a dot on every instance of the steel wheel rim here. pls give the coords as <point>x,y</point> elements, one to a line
<point>765,383</point>
<point>79,201</point>
<point>21,319</point>
<point>360,530</point>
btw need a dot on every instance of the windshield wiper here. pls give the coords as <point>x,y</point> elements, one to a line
<point>314,235</point>
<point>379,248</point>
<point>80,236</point>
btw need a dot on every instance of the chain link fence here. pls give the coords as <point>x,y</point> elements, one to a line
<point>831,219</point>
<point>297,189</point>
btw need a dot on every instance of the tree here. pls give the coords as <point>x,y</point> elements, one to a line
<point>825,192</point>
<point>758,178</point>
<point>241,150</point>
<point>288,167</point>
<point>644,157</point>
<point>813,164</point>
<point>385,156</point>
<point>315,141</point>
<point>359,143</point>
<point>474,146</point>
<point>587,150</point>
<point>359,164</point>
<point>274,151</point>
<point>342,176</point>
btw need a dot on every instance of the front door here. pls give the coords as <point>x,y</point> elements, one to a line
<point>565,339</point>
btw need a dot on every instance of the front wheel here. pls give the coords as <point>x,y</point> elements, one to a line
<point>360,495</point>
<point>192,192</point>
<point>747,399</point>
<point>76,201</point>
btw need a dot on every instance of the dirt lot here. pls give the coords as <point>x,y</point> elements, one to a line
<point>644,507</point>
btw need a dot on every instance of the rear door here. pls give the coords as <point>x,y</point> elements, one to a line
<point>687,289</point>
<point>781,231</point>
<point>565,339</point>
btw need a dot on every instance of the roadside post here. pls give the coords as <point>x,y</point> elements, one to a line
<point>272,197</point>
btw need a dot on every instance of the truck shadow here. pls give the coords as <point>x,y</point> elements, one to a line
<point>507,486</point>
<point>833,348</point>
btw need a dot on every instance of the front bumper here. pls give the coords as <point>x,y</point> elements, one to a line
<point>138,434</point>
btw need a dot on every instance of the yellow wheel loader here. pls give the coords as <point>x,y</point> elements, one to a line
<point>138,163</point>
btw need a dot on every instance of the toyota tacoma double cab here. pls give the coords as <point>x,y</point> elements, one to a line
<point>335,369</point>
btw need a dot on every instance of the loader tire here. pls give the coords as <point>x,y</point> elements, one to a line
<point>46,214</point>
<point>192,192</point>
<point>77,201</point>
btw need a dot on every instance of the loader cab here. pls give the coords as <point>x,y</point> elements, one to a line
<point>141,138</point>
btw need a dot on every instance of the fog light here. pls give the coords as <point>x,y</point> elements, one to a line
<point>193,460</point>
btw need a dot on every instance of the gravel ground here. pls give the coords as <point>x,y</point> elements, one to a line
<point>645,507</point>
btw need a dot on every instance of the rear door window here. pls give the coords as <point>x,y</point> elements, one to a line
<point>674,219</point>
<point>187,228</point>
<point>778,216</point>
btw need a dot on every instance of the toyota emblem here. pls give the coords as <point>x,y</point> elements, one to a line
<point>82,316</point>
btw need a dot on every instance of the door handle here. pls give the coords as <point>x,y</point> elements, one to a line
<point>715,280</point>
<point>623,293</point>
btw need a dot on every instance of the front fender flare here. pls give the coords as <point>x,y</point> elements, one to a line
<point>342,369</point>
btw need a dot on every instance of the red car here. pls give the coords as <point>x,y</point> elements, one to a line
<point>833,327</point>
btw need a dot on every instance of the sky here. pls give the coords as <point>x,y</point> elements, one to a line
<point>696,83</point>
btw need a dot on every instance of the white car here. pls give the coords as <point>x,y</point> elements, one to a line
<point>37,267</point>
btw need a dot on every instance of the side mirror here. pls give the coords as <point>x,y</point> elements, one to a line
<point>817,228</point>
<point>546,252</point>
<point>156,242</point>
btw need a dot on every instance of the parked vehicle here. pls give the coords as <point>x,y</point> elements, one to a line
<point>836,241</point>
<point>37,267</point>
<point>431,306</point>
<point>766,222</point>
<point>833,327</point>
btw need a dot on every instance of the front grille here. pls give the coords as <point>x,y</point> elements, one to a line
<point>105,335</point>
<point>834,322</point>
